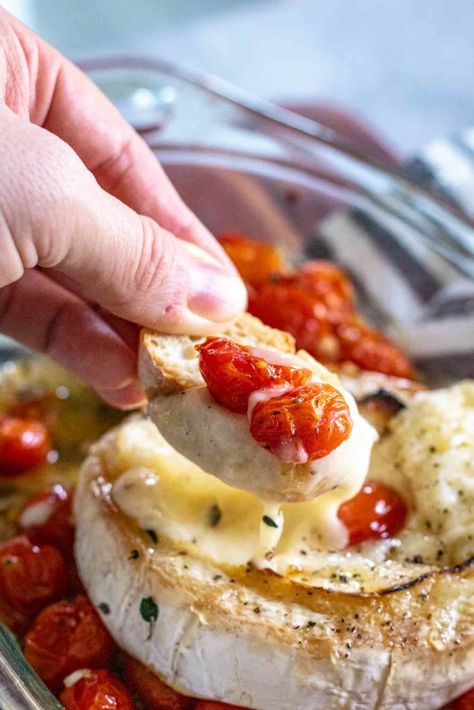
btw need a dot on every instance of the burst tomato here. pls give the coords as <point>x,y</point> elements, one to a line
<point>46,517</point>
<point>303,425</point>
<point>96,690</point>
<point>316,305</point>
<point>31,576</point>
<point>465,702</point>
<point>328,283</point>
<point>65,637</point>
<point>232,373</point>
<point>24,444</point>
<point>253,260</point>
<point>370,350</point>
<point>282,304</point>
<point>377,511</point>
<point>155,694</point>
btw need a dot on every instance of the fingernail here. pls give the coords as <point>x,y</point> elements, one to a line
<point>215,293</point>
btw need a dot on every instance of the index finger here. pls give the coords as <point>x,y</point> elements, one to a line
<point>67,103</point>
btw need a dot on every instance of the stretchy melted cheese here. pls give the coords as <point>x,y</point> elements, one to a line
<point>220,443</point>
<point>428,455</point>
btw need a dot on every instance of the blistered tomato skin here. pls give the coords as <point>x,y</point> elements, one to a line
<point>316,305</point>
<point>97,690</point>
<point>370,350</point>
<point>465,702</point>
<point>329,283</point>
<point>65,637</point>
<point>154,694</point>
<point>31,576</point>
<point>24,444</point>
<point>253,260</point>
<point>303,425</point>
<point>376,512</point>
<point>46,517</point>
<point>232,373</point>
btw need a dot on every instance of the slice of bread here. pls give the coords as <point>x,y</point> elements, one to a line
<point>219,441</point>
<point>169,363</point>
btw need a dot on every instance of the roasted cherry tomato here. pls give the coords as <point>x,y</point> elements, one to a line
<point>370,350</point>
<point>253,260</point>
<point>46,517</point>
<point>232,373</point>
<point>377,511</point>
<point>96,690</point>
<point>302,425</point>
<point>282,304</point>
<point>214,705</point>
<point>316,305</point>
<point>31,576</point>
<point>154,694</point>
<point>328,283</point>
<point>65,637</point>
<point>24,444</point>
<point>465,702</point>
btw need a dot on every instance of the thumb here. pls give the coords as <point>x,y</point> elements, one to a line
<point>55,215</point>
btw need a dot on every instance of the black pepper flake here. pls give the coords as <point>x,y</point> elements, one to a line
<point>149,612</point>
<point>269,521</point>
<point>257,610</point>
<point>134,555</point>
<point>104,608</point>
<point>214,515</point>
<point>153,536</point>
<point>311,624</point>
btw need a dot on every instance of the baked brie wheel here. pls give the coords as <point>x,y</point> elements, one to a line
<point>259,639</point>
<point>231,596</point>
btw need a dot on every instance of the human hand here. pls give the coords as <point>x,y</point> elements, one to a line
<point>93,237</point>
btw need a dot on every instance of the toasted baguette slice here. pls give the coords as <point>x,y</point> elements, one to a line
<point>219,440</point>
<point>249,637</point>
<point>169,363</point>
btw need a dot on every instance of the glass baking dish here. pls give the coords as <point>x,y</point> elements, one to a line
<point>244,166</point>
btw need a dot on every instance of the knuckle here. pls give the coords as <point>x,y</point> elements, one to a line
<point>42,181</point>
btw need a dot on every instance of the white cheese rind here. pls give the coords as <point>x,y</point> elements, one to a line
<point>299,652</point>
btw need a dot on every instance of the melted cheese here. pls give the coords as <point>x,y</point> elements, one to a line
<point>165,492</point>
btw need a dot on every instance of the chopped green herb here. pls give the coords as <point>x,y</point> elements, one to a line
<point>149,612</point>
<point>104,608</point>
<point>214,515</point>
<point>153,535</point>
<point>269,521</point>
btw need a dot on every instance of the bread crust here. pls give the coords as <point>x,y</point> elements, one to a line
<point>254,639</point>
<point>218,440</point>
<point>166,361</point>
